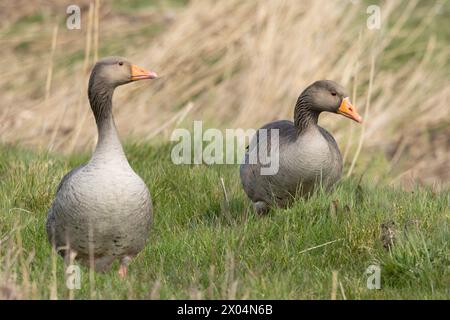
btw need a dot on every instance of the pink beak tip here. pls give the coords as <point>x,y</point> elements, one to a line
<point>153,75</point>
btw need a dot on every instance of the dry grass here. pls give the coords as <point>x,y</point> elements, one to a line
<point>242,64</point>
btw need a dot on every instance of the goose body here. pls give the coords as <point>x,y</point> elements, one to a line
<point>102,210</point>
<point>308,154</point>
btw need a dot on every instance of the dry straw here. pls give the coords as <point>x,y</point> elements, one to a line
<point>242,64</point>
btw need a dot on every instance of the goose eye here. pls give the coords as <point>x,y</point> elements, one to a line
<point>333,93</point>
<point>120,63</point>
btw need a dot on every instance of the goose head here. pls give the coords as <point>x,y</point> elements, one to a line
<point>329,96</point>
<point>111,72</point>
<point>107,74</point>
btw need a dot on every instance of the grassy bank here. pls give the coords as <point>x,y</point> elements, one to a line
<point>234,64</point>
<point>204,247</point>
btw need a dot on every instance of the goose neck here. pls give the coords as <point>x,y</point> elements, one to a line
<point>108,146</point>
<point>305,116</point>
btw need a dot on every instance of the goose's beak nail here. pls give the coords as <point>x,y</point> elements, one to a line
<point>138,73</point>
<point>349,111</point>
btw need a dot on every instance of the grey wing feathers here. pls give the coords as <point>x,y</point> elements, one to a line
<point>50,224</point>
<point>284,127</point>
<point>328,137</point>
<point>335,149</point>
<point>249,173</point>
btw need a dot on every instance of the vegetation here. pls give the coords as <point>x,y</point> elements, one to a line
<point>203,246</point>
<point>234,64</point>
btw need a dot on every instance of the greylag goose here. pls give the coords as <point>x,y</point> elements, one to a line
<point>308,154</point>
<point>102,210</point>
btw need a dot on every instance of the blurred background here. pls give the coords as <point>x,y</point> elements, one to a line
<point>235,64</point>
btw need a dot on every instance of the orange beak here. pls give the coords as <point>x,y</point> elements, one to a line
<point>349,111</point>
<point>138,73</point>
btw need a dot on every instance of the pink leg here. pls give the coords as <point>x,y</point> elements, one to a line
<point>124,267</point>
<point>123,271</point>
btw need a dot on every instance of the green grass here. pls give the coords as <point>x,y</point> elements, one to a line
<point>197,249</point>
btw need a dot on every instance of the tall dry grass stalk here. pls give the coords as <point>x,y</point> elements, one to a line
<point>13,258</point>
<point>82,113</point>
<point>243,64</point>
<point>48,83</point>
<point>334,283</point>
<point>54,283</point>
<point>341,287</point>
<point>366,116</point>
<point>96,27</point>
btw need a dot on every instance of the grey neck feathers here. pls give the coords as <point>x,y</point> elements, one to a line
<point>100,98</point>
<point>108,146</point>
<point>304,115</point>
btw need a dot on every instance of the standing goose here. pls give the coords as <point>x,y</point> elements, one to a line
<point>308,154</point>
<point>102,210</point>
